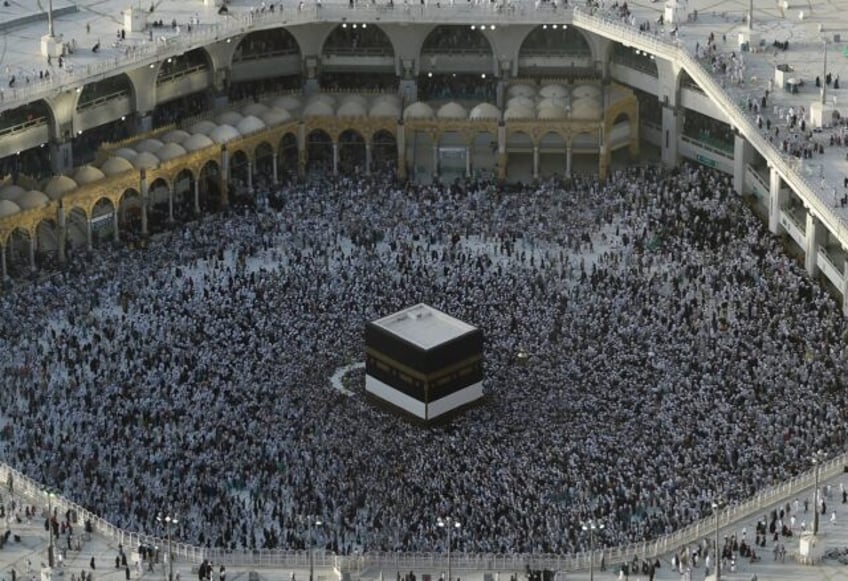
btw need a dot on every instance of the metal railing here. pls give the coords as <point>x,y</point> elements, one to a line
<point>760,503</point>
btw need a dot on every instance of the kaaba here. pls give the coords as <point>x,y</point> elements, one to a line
<point>423,363</point>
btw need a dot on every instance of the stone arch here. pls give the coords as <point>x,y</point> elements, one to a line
<point>129,212</point>
<point>158,195</point>
<point>46,243</point>
<point>634,58</point>
<point>104,89</point>
<point>176,66</point>
<point>239,171</point>
<point>554,39</point>
<point>184,186</point>
<point>447,38</point>
<point>383,150</point>
<point>319,151</point>
<point>261,44</point>
<point>352,39</point>
<point>76,227</point>
<point>484,153</point>
<point>17,248</point>
<point>552,153</point>
<point>34,113</point>
<point>519,149</point>
<point>352,155</point>
<point>209,186</point>
<point>102,220</point>
<point>287,156</point>
<point>585,157</point>
<point>263,156</point>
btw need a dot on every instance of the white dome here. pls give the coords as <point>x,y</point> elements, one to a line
<point>418,110</point>
<point>33,199</point>
<point>275,116</point>
<point>127,153</point>
<point>176,136</point>
<point>145,160</point>
<point>520,102</point>
<point>58,186</point>
<point>485,111</point>
<point>387,98</point>
<point>224,133</point>
<point>197,142</point>
<point>229,118</point>
<point>352,109</point>
<point>319,108</point>
<point>250,124</point>
<point>255,109</point>
<point>7,208</point>
<point>520,112</point>
<point>561,102</point>
<point>287,102</point>
<point>205,127</point>
<point>355,98</point>
<point>11,192</point>
<point>385,109</point>
<point>322,98</point>
<point>88,174</point>
<point>551,112</point>
<point>116,165</point>
<point>586,91</point>
<point>148,145</point>
<point>521,91</point>
<point>586,108</point>
<point>170,151</point>
<point>452,110</point>
<point>553,90</point>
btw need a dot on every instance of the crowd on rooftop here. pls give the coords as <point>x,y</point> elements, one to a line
<point>674,355</point>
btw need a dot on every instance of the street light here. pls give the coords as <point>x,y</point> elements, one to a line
<point>818,458</point>
<point>716,506</point>
<point>449,523</point>
<point>169,520</point>
<point>317,523</point>
<point>50,550</point>
<point>591,526</point>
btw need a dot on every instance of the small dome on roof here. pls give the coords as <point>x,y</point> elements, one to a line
<point>385,109</point>
<point>352,109</point>
<point>586,108</point>
<point>355,98</point>
<point>8,208</point>
<point>553,90</point>
<point>275,116</point>
<point>176,136</point>
<point>250,124</point>
<point>254,109</point>
<point>229,118</point>
<point>146,160</point>
<point>521,90</point>
<point>586,91</point>
<point>126,153</point>
<point>520,112</point>
<point>485,111</point>
<point>319,109</point>
<point>561,102</point>
<point>116,165</point>
<point>520,102</point>
<point>33,199</point>
<point>418,110</point>
<point>88,174</point>
<point>205,127</point>
<point>58,186</point>
<point>11,192</point>
<point>197,142</point>
<point>224,133</point>
<point>452,110</point>
<point>551,112</point>
<point>321,97</point>
<point>387,98</point>
<point>148,145</point>
<point>287,102</point>
<point>170,151</point>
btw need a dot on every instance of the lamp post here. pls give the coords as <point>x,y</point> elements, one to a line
<point>818,457</point>
<point>824,75</point>
<point>169,520</point>
<point>449,523</point>
<point>716,507</point>
<point>50,548</point>
<point>591,526</point>
<point>312,523</point>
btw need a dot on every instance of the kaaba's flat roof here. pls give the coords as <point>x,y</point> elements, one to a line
<point>424,326</point>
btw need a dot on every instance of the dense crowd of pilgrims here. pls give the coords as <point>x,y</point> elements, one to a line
<point>675,355</point>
